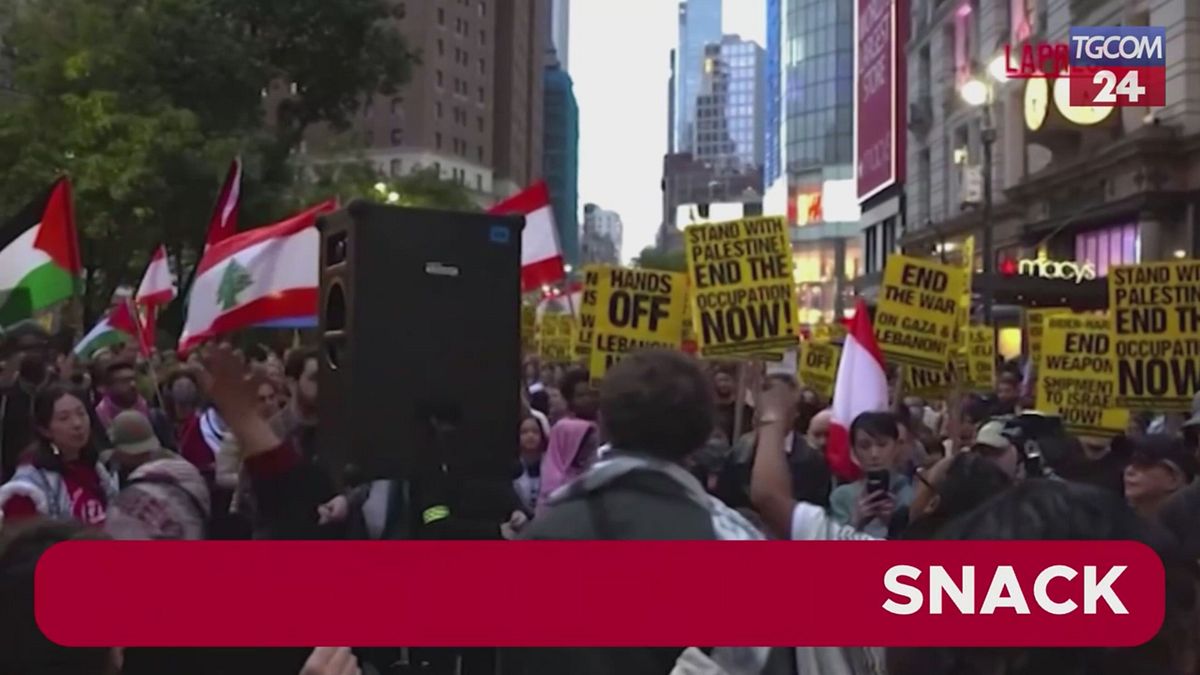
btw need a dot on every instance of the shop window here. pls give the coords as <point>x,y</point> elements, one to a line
<point>1104,248</point>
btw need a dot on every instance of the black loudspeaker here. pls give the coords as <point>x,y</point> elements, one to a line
<point>420,341</point>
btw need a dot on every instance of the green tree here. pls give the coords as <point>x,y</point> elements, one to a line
<point>652,258</point>
<point>144,102</point>
<point>361,180</point>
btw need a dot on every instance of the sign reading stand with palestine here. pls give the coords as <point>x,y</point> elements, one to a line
<point>742,293</point>
<point>636,309</point>
<point>917,313</point>
<point>1078,375</point>
<point>1156,331</point>
<point>555,337</point>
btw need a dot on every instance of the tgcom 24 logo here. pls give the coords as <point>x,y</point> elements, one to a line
<point>1107,66</point>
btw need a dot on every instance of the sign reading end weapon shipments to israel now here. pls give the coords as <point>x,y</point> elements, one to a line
<point>636,309</point>
<point>1156,328</point>
<point>1078,377</point>
<point>741,286</point>
<point>917,313</point>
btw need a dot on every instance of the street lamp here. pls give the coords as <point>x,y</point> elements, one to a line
<point>980,92</point>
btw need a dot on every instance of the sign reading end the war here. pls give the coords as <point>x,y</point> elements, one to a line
<point>917,314</point>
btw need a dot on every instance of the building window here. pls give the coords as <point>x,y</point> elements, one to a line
<point>439,78</point>
<point>479,152</point>
<point>479,176</point>
<point>482,66</point>
<point>395,168</point>
<point>437,140</point>
<point>481,94</point>
<point>397,106</point>
<point>1120,245</point>
<point>437,109</point>
<point>397,136</point>
<point>400,11</point>
<point>482,8</point>
<point>482,37</point>
<point>441,17</point>
<point>479,123</point>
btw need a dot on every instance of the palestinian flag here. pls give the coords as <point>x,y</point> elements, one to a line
<point>39,256</point>
<point>118,327</point>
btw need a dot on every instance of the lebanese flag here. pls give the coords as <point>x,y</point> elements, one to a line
<point>541,255</point>
<point>121,325</point>
<point>156,290</point>
<point>224,218</point>
<point>262,275</point>
<point>861,387</point>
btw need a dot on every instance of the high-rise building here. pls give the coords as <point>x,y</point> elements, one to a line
<point>729,107</point>
<point>519,72</point>
<point>671,107</point>
<point>473,106</point>
<point>773,95</point>
<point>560,147</point>
<point>602,236</point>
<point>816,51</point>
<point>560,31</point>
<point>699,25</point>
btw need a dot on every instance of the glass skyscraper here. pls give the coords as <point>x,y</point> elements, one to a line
<point>729,107</point>
<point>818,62</point>
<point>699,25</point>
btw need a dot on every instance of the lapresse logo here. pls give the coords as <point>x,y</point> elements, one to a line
<point>1118,66</point>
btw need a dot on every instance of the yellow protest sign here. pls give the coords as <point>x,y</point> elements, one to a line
<point>636,309</point>
<point>964,304</point>
<point>587,309</point>
<point>1035,320</point>
<point>1156,327</point>
<point>556,332</point>
<point>981,358</point>
<point>816,366</point>
<point>926,383</point>
<point>1078,381</point>
<point>528,328</point>
<point>743,297</point>
<point>829,332</point>
<point>917,314</point>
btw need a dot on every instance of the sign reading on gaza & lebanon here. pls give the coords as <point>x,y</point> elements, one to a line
<point>742,293</point>
<point>918,311</point>
<point>1156,333</point>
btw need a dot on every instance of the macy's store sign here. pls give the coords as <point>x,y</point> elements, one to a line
<point>1044,268</point>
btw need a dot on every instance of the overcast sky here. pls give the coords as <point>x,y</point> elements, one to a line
<point>620,61</point>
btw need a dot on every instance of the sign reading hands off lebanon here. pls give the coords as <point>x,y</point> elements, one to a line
<point>917,313</point>
<point>635,309</point>
<point>1156,334</point>
<point>742,293</point>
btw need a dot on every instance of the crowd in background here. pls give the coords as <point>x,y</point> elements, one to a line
<point>223,446</point>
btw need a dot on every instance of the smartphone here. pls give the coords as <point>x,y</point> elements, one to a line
<point>878,481</point>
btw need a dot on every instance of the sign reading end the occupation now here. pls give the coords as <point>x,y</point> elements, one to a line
<point>742,291</point>
<point>1156,332</point>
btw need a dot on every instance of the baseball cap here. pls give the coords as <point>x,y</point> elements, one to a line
<point>1160,449</point>
<point>132,433</point>
<point>992,436</point>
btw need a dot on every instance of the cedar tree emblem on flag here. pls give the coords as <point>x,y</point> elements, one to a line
<point>235,280</point>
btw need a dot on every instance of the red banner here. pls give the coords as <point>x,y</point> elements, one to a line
<point>273,594</point>
<point>878,118</point>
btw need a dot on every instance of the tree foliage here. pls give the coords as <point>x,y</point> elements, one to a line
<point>144,103</point>
<point>653,258</point>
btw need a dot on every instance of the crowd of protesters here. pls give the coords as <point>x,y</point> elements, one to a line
<point>223,446</point>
